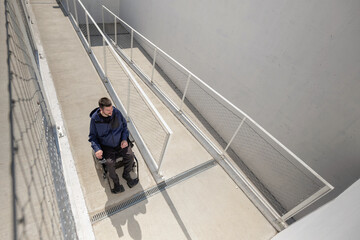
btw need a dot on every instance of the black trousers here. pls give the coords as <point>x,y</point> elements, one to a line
<point>111,154</point>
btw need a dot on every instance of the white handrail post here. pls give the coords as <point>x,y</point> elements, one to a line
<point>185,90</point>
<point>236,132</point>
<point>87,29</point>
<point>132,44</point>
<point>76,14</point>
<point>102,16</point>
<point>163,152</point>
<point>153,65</point>
<point>128,102</point>
<point>105,67</point>
<point>115,30</point>
<point>67,6</point>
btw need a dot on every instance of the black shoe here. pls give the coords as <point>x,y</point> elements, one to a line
<point>118,188</point>
<point>130,182</point>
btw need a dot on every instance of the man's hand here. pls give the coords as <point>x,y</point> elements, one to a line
<point>124,144</point>
<point>99,154</point>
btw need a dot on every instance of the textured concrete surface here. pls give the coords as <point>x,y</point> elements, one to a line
<point>206,206</point>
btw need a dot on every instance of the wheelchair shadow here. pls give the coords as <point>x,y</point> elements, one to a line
<point>127,217</point>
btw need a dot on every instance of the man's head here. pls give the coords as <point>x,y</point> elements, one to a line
<point>105,106</point>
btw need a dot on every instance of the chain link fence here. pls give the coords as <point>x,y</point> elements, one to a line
<point>41,204</point>
<point>280,177</point>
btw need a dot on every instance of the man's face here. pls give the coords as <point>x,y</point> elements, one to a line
<point>106,111</point>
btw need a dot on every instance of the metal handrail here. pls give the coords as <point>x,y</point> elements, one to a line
<point>236,111</point>
<point>142,94</point>
<point>239,113</point>
<point>150,104</point>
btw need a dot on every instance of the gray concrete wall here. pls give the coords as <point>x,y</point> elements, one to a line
<point>294,67</point>
<point>331,222</point>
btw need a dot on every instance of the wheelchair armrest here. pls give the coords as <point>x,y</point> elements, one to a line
<point>130,141</point>
<point>102,161</point>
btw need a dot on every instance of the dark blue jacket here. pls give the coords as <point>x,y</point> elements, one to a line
<point>109,133</point>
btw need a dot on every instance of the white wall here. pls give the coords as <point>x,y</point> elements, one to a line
<point>331,222</point>
<point>94,8</point>
<point>293,66</point>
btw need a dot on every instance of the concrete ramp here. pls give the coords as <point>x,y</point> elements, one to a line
<point>205,205</point>
<point>78,88</point>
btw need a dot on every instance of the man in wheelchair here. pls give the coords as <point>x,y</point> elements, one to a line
<point>109,139</point>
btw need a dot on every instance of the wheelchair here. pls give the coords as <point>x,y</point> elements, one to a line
<point>101,166</point>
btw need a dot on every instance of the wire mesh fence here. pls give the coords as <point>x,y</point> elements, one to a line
<point>280,176</point>
<point>142,116</point>
<point>154,132</point>
<point>41,205</point>
<point>292,182</point>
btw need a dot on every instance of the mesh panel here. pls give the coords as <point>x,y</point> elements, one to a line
<point>151,130</point>
<point>274,171</point>
<point>95,36</point>
<point>42,206</point>
<point>71,7</point>
<point>79,16</point>
<point>218,116</point>
<point>110,29</point>
<point>170,78</point>
<point>123,32</point>
<point>286,180</point>
<point>65,4</point>
<point>143,117</point>
<point>83,30</point>
<point>82,21</point>
<point>165,68</point>
<point>124,39</point>
<point>143,53</point>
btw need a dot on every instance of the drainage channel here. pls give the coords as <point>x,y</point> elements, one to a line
<point>141,196</point>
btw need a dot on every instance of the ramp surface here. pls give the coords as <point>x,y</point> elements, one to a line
<point>78,88</point>
<point>205,206</point>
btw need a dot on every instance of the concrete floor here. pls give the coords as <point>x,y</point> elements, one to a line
<point>206,206</point>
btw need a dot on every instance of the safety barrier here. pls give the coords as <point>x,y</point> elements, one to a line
<point>281,180</point>
<point>123,88</point>
<point>41,205</point>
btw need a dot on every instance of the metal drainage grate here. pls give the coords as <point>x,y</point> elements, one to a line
<point>152,191</point>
